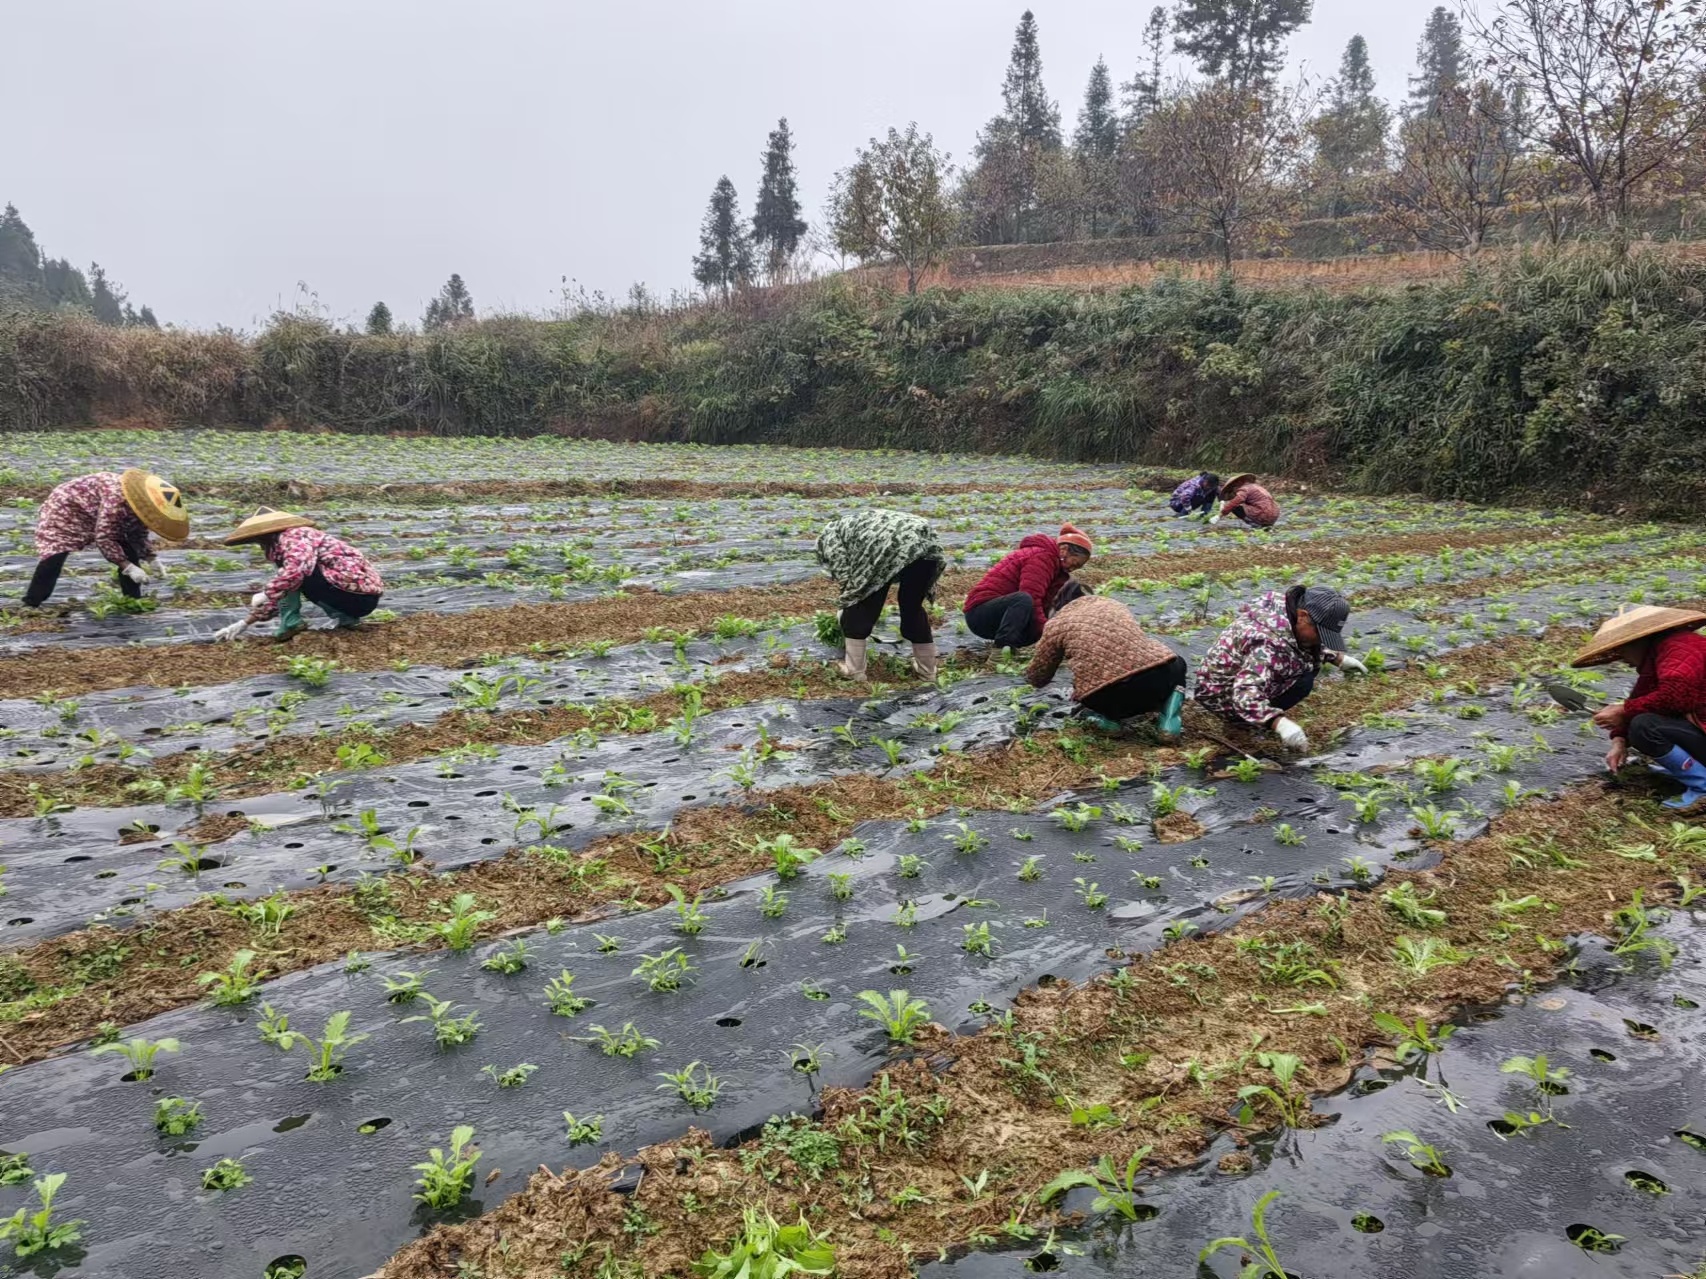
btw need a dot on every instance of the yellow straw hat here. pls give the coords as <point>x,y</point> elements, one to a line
<point>265,521</point>
<point>156,503</point>
<point>1230,488</point>
<point>1633,624</point>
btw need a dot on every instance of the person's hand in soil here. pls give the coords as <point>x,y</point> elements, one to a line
<point>1617,756</point>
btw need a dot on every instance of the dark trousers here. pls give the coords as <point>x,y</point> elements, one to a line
<point>318,590</point>
<point>1654,735</point>
<point>914,583</point>
<point>1297,692</point>
<point>1136,694</point>
<point>46,579</point>
<point>1010,621</point>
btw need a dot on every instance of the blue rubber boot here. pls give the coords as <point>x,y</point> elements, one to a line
<point>1689,771</point>
<point>1172,723</point>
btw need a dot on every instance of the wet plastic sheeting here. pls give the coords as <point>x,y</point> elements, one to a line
<point>69,868</point>
<point>340,1198</point>
<point>1505,1211</point>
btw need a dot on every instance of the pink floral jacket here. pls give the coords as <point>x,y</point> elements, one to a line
<point>1255,660</point>
<point>299,551</point>
<point>91,511</point>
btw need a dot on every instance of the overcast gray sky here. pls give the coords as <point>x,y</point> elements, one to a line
<point>212,153</point>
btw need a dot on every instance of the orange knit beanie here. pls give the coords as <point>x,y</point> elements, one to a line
<point>1071,536</point>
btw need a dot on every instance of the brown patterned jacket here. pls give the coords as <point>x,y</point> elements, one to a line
<point>1102,642</point>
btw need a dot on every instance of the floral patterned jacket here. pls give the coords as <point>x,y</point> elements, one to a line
<point>1252,662</point>
<point>866,550</point>
<point>91,511</point>
<point>1194,494</point>
<point>299,551</point>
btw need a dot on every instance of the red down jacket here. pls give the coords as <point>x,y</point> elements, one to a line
<point>1672,681</point>
<point>1034,568</point>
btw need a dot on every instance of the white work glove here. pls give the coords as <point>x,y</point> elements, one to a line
<point>1351,665</point>
<point>1215,518</point>
<point>257,599</point>
<point>135,573</point>
<point>232,631</point>
<point>1291,734</point>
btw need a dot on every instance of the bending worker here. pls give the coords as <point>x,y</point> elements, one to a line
<point>1196,496</point>
<point>325,569</point>
<point>1010,605</point>
<point>1118,672</point>
<point>112,513</point>
<point>1266,662</point>
<point>1663,715</point>
<point>1249,501</point>
<point>866,552</point>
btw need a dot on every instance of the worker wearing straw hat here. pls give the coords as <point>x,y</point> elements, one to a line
<point>1664,716</point>
<point>1249,501</point>
<point>311,564</point>
<point>114,513</point>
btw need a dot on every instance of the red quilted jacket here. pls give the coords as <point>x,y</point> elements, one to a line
<point>1034,568</point>
<point>1672,680</point>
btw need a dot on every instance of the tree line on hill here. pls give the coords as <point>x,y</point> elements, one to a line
<point>1569,112</point>
<point>31,279</point>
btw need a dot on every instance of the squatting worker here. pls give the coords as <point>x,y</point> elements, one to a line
<point>866,552</point>
<point>1664,715</point>
<point>1010,605</point>
<point>114,514</point>
<point>1266,662</point>
<point>311,564</point>
<point>1196,496</point>
<point>1249,501</point>
<point>1118,672</point>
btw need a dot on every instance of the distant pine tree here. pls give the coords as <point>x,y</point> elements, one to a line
<point>1142,93</point>
<point>379,320</point>
<point>776,222</point>
<point>1027,103</point>
<point>105,300</point>
<point>1439,61</point>
<point>724,260</point>
<point>145,318</point>
<point>452,308</point>
<point>1098,132</point>
<point>1240,41</point>
<point>20,260</point>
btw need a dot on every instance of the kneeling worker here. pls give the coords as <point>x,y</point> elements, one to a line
<point>326,570</point>
<point>112,513</point>
<point>1663,715</point>
<point>1118,672</point>
<point>1266,662</point>
<point>1010,605</point>
<point>1249,501</point>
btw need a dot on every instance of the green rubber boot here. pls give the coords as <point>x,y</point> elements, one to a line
<point>289,615</point>
<point>1101,723</point>
<point>1172,723</point>
<point>343,621</point>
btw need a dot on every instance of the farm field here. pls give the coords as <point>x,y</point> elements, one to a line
<point>582,845</point>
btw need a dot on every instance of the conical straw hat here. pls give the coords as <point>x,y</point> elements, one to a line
<point>264,521</point>
<point>156,503</point>
<point>1229,489</point>
<point>1633,624</point>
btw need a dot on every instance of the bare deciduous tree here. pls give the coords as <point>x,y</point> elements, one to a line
<point>1617,88</point>
<point>1456,170</point>
<point>890,203</point>
<point>1220,159</point>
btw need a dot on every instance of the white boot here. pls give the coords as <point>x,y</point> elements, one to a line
<point>924,661</point>
<point>853,664</point>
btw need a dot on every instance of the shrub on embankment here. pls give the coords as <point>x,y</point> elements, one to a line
<point>1572,373</point>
